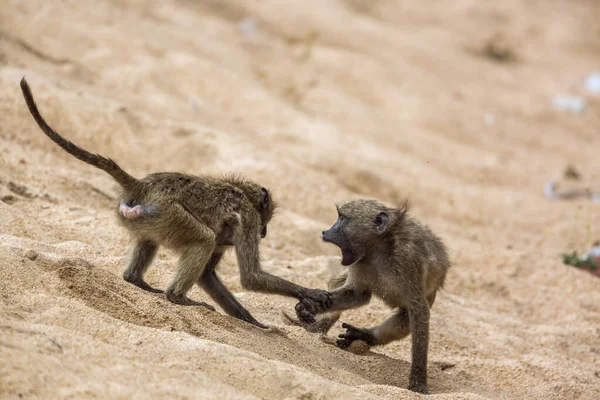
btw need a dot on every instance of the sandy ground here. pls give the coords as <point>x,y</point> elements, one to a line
<point>322,101</point>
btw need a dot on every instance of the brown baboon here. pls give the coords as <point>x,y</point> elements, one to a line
<point>198,216</point>
<point>393,256</point>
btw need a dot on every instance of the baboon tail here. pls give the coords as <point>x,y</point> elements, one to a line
<point>112,168</point>
<point>321,325</point>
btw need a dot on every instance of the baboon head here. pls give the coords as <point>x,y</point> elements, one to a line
<point>360,226</point>
<point>260,198</point>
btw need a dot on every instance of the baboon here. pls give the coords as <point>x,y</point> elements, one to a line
<point>197,216</point>
<point>396,258</point>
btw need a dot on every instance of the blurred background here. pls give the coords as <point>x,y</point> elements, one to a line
<point>484,114</point>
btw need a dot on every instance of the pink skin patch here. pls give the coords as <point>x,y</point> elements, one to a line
<point>131,212</point>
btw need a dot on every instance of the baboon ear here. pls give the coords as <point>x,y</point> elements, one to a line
<point>265,198</point>
<point>381,222</point>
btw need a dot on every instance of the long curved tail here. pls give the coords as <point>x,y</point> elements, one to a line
<point>123,178</point>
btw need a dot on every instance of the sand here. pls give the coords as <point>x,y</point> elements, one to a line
<point>446,103</point>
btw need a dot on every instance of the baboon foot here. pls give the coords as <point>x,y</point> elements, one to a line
<point>182,300</point>
<point>304,314</point>
<point>419,387</point>
<point>256,323</point>
<point>142,284</point>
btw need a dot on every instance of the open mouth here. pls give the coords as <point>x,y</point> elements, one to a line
<point>346,259</point>
<point>349,257</point>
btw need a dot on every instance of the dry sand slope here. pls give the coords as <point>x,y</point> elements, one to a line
<point>322,101</point>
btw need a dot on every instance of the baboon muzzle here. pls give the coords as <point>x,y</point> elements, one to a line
<point>326,236</point>
<point>332,235</point>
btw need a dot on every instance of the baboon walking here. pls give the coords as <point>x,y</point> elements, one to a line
<point>198,216</point>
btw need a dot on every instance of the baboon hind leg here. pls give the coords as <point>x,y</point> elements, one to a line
<point>419,327</point>
<point>141,256</point>
<point>211,283</point>
<point>191,264</point>
<point>196,243</point>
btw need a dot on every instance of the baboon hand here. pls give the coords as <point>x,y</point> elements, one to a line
<point>312,301</point>
<point>352,333</point>
<point>305,312</point>
<point>316,300</point>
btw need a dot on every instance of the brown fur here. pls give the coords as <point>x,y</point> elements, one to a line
<point>198,216</point>
<point>394,257</point>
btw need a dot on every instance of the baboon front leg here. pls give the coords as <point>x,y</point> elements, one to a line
<point>394,328</point>
<point>191,263</point>
<point>254,278</point>
<point>343,298</point>
<point>141,256</point>
<point>211,283</point>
